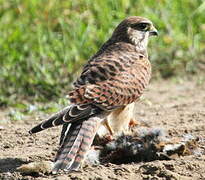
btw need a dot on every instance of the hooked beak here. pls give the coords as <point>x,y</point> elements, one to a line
<point>153,31</point>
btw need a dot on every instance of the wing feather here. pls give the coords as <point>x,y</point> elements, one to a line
<point>115,78</point>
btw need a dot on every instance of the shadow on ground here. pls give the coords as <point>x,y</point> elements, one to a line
<point>10,164</point>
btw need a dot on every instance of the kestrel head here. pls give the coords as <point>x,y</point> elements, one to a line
<point>135,30</point>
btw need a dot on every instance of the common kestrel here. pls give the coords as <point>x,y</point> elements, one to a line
<point>110,82</point>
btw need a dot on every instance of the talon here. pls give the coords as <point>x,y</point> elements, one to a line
<point>133,123</point>
<point>109,138</point>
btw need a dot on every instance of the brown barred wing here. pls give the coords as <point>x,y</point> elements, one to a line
<point>99,70</point>
<point>119,90</point>
<point>107,63</point>
<point>70,114</point>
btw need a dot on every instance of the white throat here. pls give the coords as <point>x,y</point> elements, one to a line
<point>139,39</point>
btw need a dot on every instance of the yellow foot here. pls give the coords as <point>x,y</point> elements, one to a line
<point>109,138</point>
<point>133,123</point>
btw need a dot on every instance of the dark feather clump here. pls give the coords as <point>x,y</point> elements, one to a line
<point>144,145</point>
<point>126,148</point>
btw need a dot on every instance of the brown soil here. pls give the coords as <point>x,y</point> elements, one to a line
<point>176,106</point>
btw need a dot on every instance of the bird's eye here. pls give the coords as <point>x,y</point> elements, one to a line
<point>141,26</point>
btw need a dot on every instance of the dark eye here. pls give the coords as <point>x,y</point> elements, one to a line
<point>141,26</point>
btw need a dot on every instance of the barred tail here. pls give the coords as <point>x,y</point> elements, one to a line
<point>69,114</point>
<point>76,144</point>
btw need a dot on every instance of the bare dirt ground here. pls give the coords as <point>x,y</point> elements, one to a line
<point>177,107</point>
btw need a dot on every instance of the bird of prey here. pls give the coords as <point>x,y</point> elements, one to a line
<point>110,82</point>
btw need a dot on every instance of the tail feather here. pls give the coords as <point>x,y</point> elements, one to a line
<point>69,148</point>
<point>69,114</point>
<point>64,132</point>
<point>76,144</point>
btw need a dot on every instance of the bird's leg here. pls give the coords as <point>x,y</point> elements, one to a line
<point>106,124</point>
<point>109,137</point>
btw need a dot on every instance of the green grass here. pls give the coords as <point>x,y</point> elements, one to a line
<point>43,44</point>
